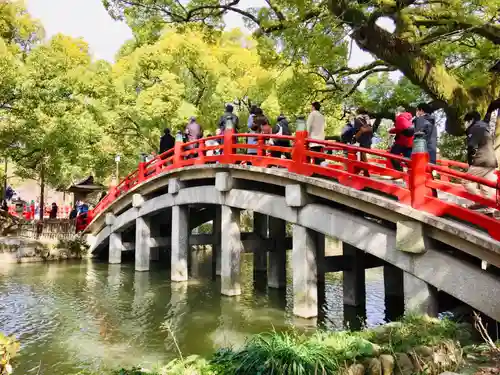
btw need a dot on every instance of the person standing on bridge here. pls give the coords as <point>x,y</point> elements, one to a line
<point>315,127</point>
<point>281,128</point>
<point>363,135</point>
<point>425,125</point>
<point>480,157</point>
<point>193,132</point>
<point>404,130</point>
<point>167,142</point>
<point>253,127</point>
<point>229,114</point>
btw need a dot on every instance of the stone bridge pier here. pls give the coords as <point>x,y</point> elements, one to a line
<point>169,230</point>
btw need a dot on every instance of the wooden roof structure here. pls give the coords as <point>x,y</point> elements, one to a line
<point>85,186</point>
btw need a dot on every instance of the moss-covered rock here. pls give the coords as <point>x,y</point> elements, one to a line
<point>387,362</point>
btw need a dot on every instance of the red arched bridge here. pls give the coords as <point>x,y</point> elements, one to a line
<point>428,243</point>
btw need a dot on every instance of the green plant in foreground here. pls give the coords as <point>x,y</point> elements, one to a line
<point>9,347</point>
<point>414,330</point>
<point>278,353</point>
<point>321,353</point>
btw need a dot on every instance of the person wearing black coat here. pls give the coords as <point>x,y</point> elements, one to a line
<point>480,157</point>
<point>281,128</point>
<point>167,142</point>
<point>425,126</point>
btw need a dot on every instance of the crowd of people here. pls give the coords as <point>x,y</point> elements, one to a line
<point>360,131</point>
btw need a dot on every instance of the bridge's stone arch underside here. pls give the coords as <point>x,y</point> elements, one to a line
<point>437,266</point>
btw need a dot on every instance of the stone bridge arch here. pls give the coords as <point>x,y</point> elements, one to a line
<point>368,225</point>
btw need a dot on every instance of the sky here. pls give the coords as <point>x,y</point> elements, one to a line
<point>89,20</point>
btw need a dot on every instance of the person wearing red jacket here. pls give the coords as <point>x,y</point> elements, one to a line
<point>404,131</point>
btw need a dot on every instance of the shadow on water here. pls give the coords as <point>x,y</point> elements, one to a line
<point>74,316</point>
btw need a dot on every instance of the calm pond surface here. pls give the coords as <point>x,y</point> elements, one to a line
<point>75,316</point>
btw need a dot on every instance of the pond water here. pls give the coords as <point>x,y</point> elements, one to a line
<point>86,315</point>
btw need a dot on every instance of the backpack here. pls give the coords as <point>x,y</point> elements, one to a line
<point>283,128</point>
<point>347,134</point>
<point>222,122</point>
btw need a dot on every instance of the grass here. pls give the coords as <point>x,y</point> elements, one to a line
<point>321,353</point>
<point>414,330</point>
<point>331,352</point>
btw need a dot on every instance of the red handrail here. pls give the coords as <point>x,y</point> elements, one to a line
<point>343,166</point>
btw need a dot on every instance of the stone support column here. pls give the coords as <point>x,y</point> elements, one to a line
<point>260,227</point>
<point>305,289</point>
<point>354,279</point>
<point>115,241</point>
<point>276,277</point>
<point>231,249</point>
<point>142,236</point>
<point>420,297</point>
<point>115,248</point>
<point>180,243</point>
<point>142,245</point>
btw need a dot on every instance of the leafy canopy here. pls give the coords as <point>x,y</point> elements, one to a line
<point>444,47</point>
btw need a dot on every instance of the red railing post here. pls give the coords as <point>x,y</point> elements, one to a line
<point>201,152</point>
<point>261,143</point>
<point>178,151</point>
<point>351,156</point>
<point>299,147</point>
<point>418,173</point>
<point>141,172</point>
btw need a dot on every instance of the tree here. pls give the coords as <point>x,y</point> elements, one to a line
<point>381,95</point>
<point>444,47</point>
<point>181,75</point>
<point>57,134</point>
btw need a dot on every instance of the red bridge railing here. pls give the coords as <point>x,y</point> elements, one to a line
<point>420,178</point>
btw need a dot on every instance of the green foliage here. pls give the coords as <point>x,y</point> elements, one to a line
<point>321,353</point>
<point>416,330</point>
<point>445,48</point>
<point>383,95</point>
<point>132,371</point>
<point>77,246</point>
<point>278,353</point>
<point>192,365</point>
<point>452,148</point>
<point>328,352</point>
<point>383,135</point>
<point>65,116</point>
<point>9,348</point>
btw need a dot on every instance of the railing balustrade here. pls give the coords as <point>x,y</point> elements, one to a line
<point>341,164</point>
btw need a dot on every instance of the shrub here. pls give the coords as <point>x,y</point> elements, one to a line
<point>278,353</point>
<point>9,347</point>
<point>77,246</point>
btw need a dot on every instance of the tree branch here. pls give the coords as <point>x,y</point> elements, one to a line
<point>350,71</point>
<point>276,11</point>
<point>366,75</point>
<point>487,31</point>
